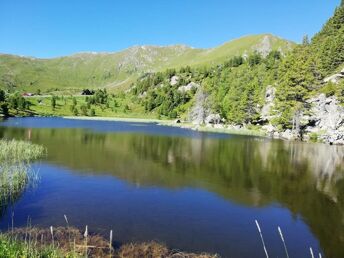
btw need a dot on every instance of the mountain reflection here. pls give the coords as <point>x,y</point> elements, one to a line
<point>305,178</point>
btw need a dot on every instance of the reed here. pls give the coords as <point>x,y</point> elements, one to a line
<point>15,151</point>
<point>110,243</point>
<point>261,237</point>
<point>15,171</point>
<point>284,244</point>
<point>311,251</point>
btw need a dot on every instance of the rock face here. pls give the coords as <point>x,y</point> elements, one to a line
<point>269,103</point>
<point>201,108</point>
<point>326,119</point>
<point>324,122</point>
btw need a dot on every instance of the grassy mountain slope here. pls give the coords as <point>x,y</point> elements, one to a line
<point>94,70</point>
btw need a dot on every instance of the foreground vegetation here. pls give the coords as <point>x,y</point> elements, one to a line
<point>71,242</point>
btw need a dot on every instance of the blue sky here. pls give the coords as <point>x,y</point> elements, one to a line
<point>44,28</point>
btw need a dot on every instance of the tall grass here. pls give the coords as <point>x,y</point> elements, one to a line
<point>10,247</point>
<point>15,171</point>
<point>13,151</point>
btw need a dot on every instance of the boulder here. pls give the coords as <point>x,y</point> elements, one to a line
<point>334,78</point>
<point>270,129</point>
<point>287,134</point>
<point>174,80</point>
<point>188,87</point>
<point>213,119</point>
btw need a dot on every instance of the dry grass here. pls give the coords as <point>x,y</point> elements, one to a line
<point>153,250</point>
<point>70,242</point>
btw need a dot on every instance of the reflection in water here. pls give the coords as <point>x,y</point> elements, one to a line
<point>305,178</point>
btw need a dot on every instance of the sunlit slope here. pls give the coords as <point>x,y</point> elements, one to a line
<point>94,70</point>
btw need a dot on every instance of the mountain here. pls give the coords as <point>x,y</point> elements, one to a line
<point>296,96</point>
<point>92,70</point>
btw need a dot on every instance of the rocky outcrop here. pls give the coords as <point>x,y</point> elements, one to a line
<point>326,119</point>
<point>323,121</point>
<point>266,112</point>
<point>200,109</point>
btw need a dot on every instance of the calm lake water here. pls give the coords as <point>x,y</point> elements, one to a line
<point>194,191</point>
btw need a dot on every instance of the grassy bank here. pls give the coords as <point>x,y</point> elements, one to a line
<point>71,242</point>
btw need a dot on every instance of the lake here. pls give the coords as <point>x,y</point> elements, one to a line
<point>193,191</point>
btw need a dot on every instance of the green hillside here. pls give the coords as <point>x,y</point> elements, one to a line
<point>93,70</point>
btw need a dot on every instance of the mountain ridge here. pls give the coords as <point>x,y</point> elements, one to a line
<point>103,69</point>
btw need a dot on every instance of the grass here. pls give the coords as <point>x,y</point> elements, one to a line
<point>121,107</point>
<point>12,248</point>
<point>15,172</point>
<point>13,151</point>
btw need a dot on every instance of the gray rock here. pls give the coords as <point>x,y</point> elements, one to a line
<point>201,108</point>
<point>188,87</point>
<point>213,119</point>
<point>326,112</point>
<point>174,80</point>
<point>326,119</point>
<point>269,103</point>
<point>334,78</point>
<point>270,129</point>
<point>288,135</point>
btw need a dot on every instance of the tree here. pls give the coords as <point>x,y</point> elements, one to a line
<point>2,95</point>
<point>254,59</point>
<point>305,40</point>
<point>83,110</point>
<point>92,112</point>
<point>53,102</point>
<point>75,111</point>
<point>4,108</point>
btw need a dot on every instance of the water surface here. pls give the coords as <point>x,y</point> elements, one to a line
<point>194,191</point>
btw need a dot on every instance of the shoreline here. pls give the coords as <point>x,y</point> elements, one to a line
<point>114,119</point>
<point>171,123</point>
